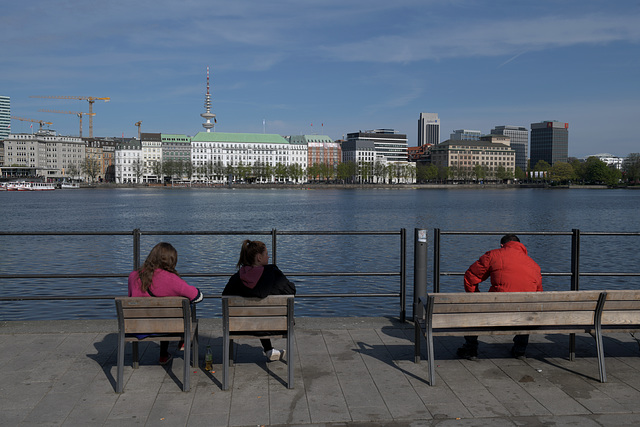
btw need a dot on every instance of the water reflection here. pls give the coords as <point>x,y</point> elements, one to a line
<point>320,210</point>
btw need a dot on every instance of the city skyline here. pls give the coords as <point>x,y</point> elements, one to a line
<point>329,67</point>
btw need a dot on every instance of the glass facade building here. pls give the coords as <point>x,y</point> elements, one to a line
<point>428,129</point>
<point>519,136</point>
<point>5,117</point>
<point>549,142</point>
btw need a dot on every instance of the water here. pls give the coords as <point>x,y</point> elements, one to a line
<point>161,209</point>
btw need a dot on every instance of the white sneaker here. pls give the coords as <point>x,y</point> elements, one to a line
<point>274,354</point>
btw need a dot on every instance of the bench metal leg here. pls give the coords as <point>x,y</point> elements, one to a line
<point>430,352</point>
<point>135,355</point>
<point>598,328</point>
<point>187,365</point>
<point>226,345</point>
<point>120,371</point>
<point>416,341</point>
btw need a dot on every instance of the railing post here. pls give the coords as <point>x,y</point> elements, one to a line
<point>403,274</point>
<point>436,260</point>
<point>419,269</point>
<point>274,249</point>
<point>575,259</point>
<point>575,281</point>
<point>136,248</point>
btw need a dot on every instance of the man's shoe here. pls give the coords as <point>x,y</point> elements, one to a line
<point>465,352</point>
<point>518,355</point>
<point>165,359</point>
<point>274,354</point>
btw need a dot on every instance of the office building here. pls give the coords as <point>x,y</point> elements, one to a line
<point>549,142</point>
<point>465,135</point>
<point>5,117</point>
<point>428,129</point>
<point>519,136</point>
<point>389,144</point>
<point>51,155</point>
<point>492,152</point>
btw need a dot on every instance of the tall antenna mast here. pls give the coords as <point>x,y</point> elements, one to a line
<point>208,115</point>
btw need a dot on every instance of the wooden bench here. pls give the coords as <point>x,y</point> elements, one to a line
<point>621,311</point>
<point>168,318</point>
<point>510,313</point>
<point>270,317</point>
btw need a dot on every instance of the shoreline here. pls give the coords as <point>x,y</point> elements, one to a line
<point>321,186</point>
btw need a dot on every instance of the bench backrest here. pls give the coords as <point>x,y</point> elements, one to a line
<point>270,314</point>
<point>622,309</point>
<point>141,315</point>
<point>511,309</point>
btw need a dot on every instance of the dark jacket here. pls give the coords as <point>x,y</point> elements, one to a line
<point>271,282</point>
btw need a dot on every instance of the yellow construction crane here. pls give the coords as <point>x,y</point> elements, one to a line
<point>40,122</point>
<point>77,113</point>
<point>139,134</point>
<point>91,100</point>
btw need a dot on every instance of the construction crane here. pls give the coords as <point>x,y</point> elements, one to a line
<point>40,122</point>
<point>139,134</point>
<point>91,99</point>
<point>77,113</point>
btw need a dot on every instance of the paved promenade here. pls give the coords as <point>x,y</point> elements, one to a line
<point>349,372</point>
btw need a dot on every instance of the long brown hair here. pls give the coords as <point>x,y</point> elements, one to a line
<point>163,256</point>
<point>250,249</point>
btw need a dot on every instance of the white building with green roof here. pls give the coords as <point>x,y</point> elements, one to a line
<point>220,156</point>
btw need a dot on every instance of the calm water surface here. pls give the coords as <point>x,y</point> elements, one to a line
<point>244,210</point>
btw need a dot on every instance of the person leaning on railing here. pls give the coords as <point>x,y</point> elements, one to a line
<point>257,278</point>
<point>158,278</point>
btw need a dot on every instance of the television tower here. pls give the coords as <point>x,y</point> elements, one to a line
<point>208,115</point>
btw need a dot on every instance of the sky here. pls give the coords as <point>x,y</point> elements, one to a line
<point>328,67</point>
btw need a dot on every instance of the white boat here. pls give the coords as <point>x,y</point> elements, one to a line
<point>30,186</point>
<point>68,185</point>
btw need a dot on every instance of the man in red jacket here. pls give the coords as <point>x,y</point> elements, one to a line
<point>511,270</point>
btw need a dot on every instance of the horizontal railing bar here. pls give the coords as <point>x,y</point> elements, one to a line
<point>457,273</point>
<point>122,275</point>
<point>110,297</point>
<point>192,233</point>
<point>66,233</point>
<point>501,233</point>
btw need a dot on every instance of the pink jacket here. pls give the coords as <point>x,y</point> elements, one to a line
<point>164,284</point>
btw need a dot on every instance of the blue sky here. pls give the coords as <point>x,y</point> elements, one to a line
<point>329,66</point>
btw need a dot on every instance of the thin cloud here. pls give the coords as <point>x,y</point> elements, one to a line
<point>489,39</point>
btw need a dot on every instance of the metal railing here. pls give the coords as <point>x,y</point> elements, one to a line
<point>400,274</point>
<point>575,272</point>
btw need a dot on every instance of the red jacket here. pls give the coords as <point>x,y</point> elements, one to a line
<point>510,268</point>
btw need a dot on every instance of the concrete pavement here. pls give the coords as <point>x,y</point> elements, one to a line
<point>348,372</point>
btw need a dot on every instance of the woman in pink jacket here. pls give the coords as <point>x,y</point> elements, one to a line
<point>158,278</point>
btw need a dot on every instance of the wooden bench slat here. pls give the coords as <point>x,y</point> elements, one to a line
<point>262,311</point>
<point>620,317</point>
<point>514,307</point>
<point>257,324</point>
<point>514,297</point>
<point>277,300</point>
<point>493,319</point>
<point>152,312</point>
<point>153,326</point>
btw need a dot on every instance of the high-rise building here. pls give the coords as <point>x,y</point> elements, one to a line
<point>389,144</point>
<point>465,135</point>
<point>5,117</point>
<point>519,141</point>
<point>428,129</point>
<point>549,142</point>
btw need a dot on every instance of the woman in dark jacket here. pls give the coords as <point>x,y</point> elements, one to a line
<point>257,278</point>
